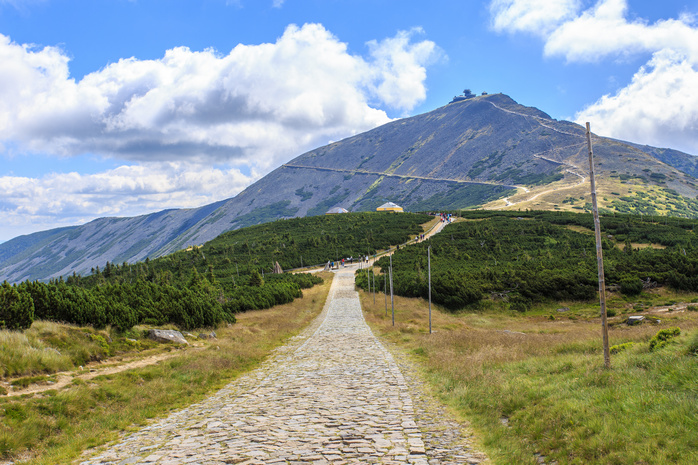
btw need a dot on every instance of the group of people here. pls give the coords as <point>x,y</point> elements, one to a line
<point>342,262</point>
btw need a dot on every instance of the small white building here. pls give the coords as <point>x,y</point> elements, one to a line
<point>336,211</point>
<point>389,207</point>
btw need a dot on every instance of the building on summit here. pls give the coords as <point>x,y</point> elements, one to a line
<point>389,207</point>
<point>336,210</point>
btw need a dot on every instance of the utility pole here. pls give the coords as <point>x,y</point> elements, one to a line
<point>373,273</point>
<point>392,301</point>
<point>385,292</point>
<point>599,255</point>
<point>429,267</point>
<point>368,279</point>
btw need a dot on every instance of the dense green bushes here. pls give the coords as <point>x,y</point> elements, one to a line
<point>204,286</point>
<point>123,305</point>
<point>521,258</point>
<point>16,308</point>
<point>207,285</point>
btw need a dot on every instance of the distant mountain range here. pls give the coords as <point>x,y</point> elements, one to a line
<point>484,151</point>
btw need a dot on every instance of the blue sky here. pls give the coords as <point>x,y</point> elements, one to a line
<point>119,108</point>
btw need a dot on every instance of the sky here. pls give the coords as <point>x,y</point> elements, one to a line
<point>126,107</point>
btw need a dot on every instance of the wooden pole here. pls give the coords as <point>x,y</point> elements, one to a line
<point>368,280</point>
<point>599,255</point>
<point>392,301</point>
<point>429,267</point>
<point>373,273</point>
<point>385,292</point>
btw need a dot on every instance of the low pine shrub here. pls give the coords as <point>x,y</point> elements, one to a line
<point>621,347</point>
<point>662,338</point>
<point>16,308</point>
<point>630,286</point>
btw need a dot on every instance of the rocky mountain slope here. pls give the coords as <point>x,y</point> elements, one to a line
<point>483,151</point>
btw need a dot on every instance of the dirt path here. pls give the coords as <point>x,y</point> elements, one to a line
<point>64,378</point>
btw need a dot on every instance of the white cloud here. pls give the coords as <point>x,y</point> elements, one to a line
<point>277,3</point>
<point>259,104</point>
<point>174,118</point>
<point>538,17</point>
<point>30,204</point>
<point>604,30</point>
<point>658,107</point>
<point>400,67</point>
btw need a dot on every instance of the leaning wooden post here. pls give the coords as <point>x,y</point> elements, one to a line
<point>429,267</point>
<point>385,292</point>
<point>373,274</point>
<point>599,255</point>
<point>368,279</point>
<point>392,301</point>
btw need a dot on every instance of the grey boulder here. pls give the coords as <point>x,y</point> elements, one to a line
<point>166,335</point>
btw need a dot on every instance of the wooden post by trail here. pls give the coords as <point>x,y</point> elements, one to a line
<point>599,255</point>
<point>392,301</point>
<point>368,279</point>
<point>429,267</point>
<point>373,274</point>
<point>385,292</point>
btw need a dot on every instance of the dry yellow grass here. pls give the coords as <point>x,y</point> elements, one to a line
<point>42,430</point>
<point>546,378</point>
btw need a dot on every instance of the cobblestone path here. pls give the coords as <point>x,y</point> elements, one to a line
<point>333,395</point>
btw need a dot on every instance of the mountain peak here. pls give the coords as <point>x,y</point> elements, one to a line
<point>485,150</point>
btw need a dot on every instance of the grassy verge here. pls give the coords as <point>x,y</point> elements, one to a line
<point>533,386</point>
<point>56,426</point>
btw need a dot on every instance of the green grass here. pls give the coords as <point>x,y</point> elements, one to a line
<point>541,388</point>
<point>570,409</point>
<point>48,347</point>
<point>20,356</point>
<point>57,425</point>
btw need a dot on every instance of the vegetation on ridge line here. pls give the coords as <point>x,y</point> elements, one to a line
<point>522,258</point>
<point>208,285</point>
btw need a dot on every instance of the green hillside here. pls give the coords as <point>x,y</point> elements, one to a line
<point>519,259</point>
<point>204,286</point>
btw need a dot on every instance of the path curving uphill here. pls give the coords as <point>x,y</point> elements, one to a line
<point>332,395</point>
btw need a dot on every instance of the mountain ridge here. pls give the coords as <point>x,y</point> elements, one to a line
<point>483,151</point>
